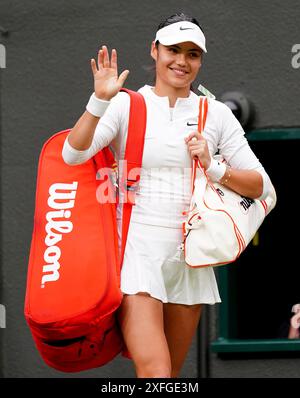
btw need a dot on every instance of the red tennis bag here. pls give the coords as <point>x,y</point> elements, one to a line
<point>73,282</point>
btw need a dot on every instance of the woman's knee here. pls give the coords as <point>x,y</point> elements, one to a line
<point>155,368</point>
<point>141,321</point>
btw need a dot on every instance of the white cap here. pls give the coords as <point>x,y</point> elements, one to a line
<point>180,32</point>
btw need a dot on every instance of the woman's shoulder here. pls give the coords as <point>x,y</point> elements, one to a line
<point>220,113</point>
<point>214,106</point>
<point>120,98</point>
<point>119,105</point>
<point>218,106</point>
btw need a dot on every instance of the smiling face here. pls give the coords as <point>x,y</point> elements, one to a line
<point>176,65</point>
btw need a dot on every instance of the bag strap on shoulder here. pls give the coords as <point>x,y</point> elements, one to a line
<point>133,157</point>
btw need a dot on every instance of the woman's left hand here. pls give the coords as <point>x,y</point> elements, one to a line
<point>198,148</point>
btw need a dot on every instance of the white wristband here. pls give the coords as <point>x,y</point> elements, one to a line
<point>97,106</point>
<point>216,170</point>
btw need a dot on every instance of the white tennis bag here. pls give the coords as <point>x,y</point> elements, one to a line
<point>220,223</point>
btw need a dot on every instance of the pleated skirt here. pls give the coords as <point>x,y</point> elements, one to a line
<point>153,264</point>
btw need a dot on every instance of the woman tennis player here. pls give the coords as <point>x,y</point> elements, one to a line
<point>163,297</point>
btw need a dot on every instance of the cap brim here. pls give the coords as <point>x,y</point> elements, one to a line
<point>182,39</point>
<point>180,32</point>
<point>173,40</point>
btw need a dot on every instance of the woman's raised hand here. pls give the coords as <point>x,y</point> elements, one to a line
<point>106,81</point>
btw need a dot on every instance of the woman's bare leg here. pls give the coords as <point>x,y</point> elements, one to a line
<point>141,321</point>
<point>180,324</point>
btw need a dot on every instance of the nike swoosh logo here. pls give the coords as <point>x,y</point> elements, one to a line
<point>192,124</point>
<point>181,28</point>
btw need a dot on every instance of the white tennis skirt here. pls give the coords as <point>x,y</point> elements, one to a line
<point>151,265</point>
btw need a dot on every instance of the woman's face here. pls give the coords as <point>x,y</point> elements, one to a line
<point>177,65</point>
